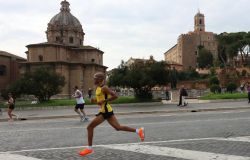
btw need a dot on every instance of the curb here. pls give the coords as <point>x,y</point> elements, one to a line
<point>181,110</point>
<point>89,106</point>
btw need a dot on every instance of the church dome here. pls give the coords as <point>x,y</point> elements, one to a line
<point>64,28</point>
<point>65,18</point>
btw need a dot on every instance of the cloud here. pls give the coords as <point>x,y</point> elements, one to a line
<point>121,28</point>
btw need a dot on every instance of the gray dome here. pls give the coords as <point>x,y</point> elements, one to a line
<point>65,18</point>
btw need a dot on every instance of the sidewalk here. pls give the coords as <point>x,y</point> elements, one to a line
<point>128,109</point>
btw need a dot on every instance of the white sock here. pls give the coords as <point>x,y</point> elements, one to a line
<point>137,131</point>
<point>90,147</point>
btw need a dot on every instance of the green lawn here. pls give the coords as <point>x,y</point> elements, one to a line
<point>67,102</point>
<point>213,96</point>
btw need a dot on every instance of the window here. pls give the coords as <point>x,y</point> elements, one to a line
<point>200,21</point>
<point>57,39</point>
<point>2,70</point>
<point>92,60</point>
<point>40,57</point>
<point>80,42</point>
<point>71,40</point>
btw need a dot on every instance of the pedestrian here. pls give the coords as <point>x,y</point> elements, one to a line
<point>103,96</point>
<point>79,104</point>
<point>182,96</point>
<point>90,93</point>
<point>242,86</point>
<point>11,107</point>
<point>248,92</point>
<point>167,93</point>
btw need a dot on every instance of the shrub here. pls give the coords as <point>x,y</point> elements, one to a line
<point>231,87</point>
<point>214,80</point>
<point>215,88</point>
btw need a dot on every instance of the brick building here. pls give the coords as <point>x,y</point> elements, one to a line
<point>9,68</point>
<point>185,52</point>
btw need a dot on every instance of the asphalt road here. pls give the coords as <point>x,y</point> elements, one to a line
<point>177,136</point>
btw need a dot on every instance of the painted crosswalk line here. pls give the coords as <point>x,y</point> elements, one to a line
<point>174,152</point>
<point>7,156</point>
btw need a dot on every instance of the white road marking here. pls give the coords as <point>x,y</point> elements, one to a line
<point>174,152</point>
<point>236,139</point>
<point>131,124</point>
<point>15,157</point>
<point>138,143</point>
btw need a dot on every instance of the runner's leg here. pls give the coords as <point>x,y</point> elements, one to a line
<point>95,122</point>
<point>115,124</point>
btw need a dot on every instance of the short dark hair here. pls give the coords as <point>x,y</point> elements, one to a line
<point>75,87</point>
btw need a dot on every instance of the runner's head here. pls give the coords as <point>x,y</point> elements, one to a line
<point>75,88</point>
<point>99,78</point>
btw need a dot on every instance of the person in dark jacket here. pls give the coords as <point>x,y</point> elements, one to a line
<point>182,95</point>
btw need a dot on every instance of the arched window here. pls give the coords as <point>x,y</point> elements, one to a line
<point>71,40</point>
<point>92,60</point>
<point>57,39</point>
<point>200,21</point>
<point>3,70</point>
<point>40,57</point>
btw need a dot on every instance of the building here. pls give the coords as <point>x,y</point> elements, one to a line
<point>139,61</point>
<point>65,53</point>
<point>9,68</point>
<point>185,52</point>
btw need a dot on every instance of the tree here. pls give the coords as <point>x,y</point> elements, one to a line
<point>40,83</point>
<point>233,44</point>
<point>205,58</point>
<point>142,77</point>
<point>214,80</point>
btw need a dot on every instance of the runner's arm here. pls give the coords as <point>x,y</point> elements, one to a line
<point>110,92</point>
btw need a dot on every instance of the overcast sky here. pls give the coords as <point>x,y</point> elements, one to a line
<point>120,28</point>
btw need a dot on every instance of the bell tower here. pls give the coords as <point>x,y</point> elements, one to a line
<point>199,22</point>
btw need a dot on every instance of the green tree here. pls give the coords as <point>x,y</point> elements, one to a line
<point>205,58</point>
<point>233,44</point>
<point>141,77</point>
<point>214,80</point>
<point>40,83</point>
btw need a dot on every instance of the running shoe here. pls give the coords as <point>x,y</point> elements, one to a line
<point>141,134</point>
<point>86,152</point>
<point>81,118</point>
<point>86,119</point>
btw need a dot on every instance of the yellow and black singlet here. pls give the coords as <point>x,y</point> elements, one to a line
<point>100,96</point>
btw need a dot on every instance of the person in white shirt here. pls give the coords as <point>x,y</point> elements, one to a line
<point>79,104</point>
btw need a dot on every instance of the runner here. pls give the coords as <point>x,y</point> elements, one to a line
<point>103,96</point>
<point>79,104</point>
<point>11,107</point>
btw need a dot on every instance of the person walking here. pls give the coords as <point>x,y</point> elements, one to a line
<point>79,104</point>
<point>90,93</point>
<point>11,107</point>
<point>103,96</point>
<point>182,97</point>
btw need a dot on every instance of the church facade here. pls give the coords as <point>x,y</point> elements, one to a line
<point>65,53</point>
<point>185,52</point>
